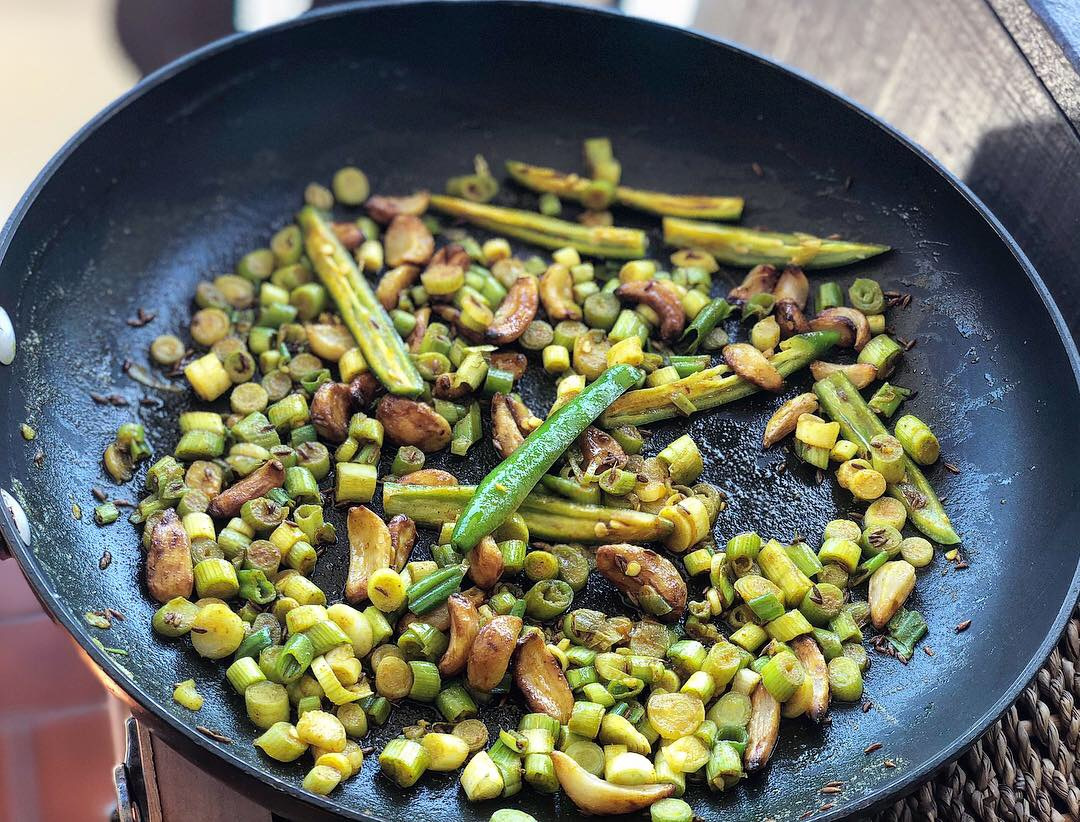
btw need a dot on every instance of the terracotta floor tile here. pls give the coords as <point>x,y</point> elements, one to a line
<point>74,760</point>
<point>18,776</point>
<point>58,677</point>
<point>8,811</point>
<point>16,598</point>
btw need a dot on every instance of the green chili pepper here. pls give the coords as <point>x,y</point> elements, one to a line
<point>255,587</point>
<point>706,320</point>
<point>502,491</point>
<point>254,643</point>
<point>294,659</point>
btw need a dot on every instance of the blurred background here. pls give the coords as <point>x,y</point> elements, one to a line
<point>988,86</point>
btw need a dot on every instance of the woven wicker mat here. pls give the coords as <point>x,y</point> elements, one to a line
<point>1026,767</point>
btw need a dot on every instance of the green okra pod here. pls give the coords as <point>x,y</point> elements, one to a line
<point>712,387</point>
<point>364,316</point>
<point>842,402</point>
<point>747,247</point>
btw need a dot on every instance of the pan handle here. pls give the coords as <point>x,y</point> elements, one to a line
<point>128,778</point>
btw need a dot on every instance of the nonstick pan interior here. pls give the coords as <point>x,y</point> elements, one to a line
<point>204,161</point>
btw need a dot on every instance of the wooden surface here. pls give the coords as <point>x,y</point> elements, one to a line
<point>949,75</point>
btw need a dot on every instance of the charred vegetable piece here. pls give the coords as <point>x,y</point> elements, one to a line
<point>408,422</point>
<point>573,187</point>
<point>762,730</point>
<point>402,539</point>
<point>503,490</point>
<point>506,435</point>
<point>735,245</point>
<point>368,321</point>
<point>464,626</point>
<point>370,548</point>
<point>527,421</point>
<point>712,387</point>
<point>751,364</point>
<point>490,655</point>
<point>661,298</point>
<point>256,484</point>
<point>600,451</point>
<point>790,318</point>
<point>761,279</point>
<point>649,580</point>
<point>384,209</point>
<point>540,678</point>
<point>556,291</point>
<point>408,242</point>
<point>792,286</point>
<point>330,409</point>
<point>547,232</point>
<point>817,672</point>
<point>515,312</point>
<point>850,324</point>
<point>393,282</point>
<point>485,563</point>
<point>168,562</point>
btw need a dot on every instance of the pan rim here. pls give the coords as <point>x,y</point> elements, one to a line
<point>890,791</point>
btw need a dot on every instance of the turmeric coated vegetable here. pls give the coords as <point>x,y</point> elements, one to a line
<point>362,313</point>
<point>540,678</point>
<point>408,422</point>
<point>573,187</point>
<point>168,562</point>
<point>490,654</point>
<point>662,299</point>
<point>256,484</point>
<point>516,311</point>
<point>464,626</point>
<point>547,232</point>
<point>735,245</point>
<point>370,549</point>
<point>594,795</point>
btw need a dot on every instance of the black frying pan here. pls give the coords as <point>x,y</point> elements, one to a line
<point>200,162</point>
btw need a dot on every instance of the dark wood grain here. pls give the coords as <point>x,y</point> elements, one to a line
<point>949,76</point>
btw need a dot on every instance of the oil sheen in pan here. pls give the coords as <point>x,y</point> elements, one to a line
<point>204,161</point>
